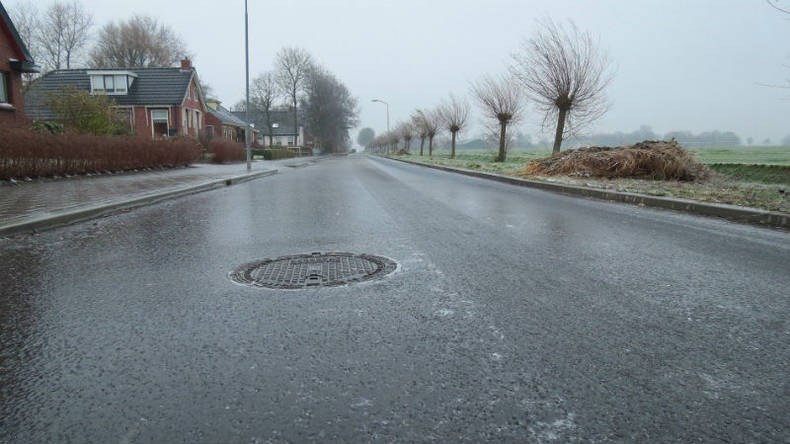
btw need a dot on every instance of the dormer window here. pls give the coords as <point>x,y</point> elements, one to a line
<point>111,82</point>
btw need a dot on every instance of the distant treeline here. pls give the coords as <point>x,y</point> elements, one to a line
<point>685,138</point>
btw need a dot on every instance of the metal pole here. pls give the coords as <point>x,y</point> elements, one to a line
<point>388,116</point>
<point>247,73</point>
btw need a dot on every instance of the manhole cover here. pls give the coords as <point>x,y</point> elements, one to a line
<point>313,270</point>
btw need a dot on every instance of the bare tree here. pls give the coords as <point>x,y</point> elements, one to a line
<point>366,136</point>
<point>293,68</point>
<point>566,74</point>
<point>431,122</point>
<point>63,33</point>
<point>329,110</point>
<point>139,42</point>
<point>264,92</point>
<point>454,115</point>
<point>406,132</point>
<point>27,21</point>
<point>418,120</point>
<point>502,101</point>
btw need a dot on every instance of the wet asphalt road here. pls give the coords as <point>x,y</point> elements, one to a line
<point>516,315</point>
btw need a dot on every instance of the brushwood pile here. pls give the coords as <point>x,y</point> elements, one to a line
<point>651,159</point>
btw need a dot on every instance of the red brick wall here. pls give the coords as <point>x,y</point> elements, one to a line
<point>142,125</point>
<point>192,103</point>
<point>14,83</point>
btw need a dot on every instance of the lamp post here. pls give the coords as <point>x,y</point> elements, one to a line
<point>388,113</point>
<point>247,134</point>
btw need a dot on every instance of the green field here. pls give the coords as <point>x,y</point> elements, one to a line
<point>755,155</point>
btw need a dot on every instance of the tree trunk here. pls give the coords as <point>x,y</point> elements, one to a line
<point>430,146</point>
<point>422,144</point>
<point>452,149</point>
<point>502,138</point>
<point>560,129</point>
<point>296,123</point>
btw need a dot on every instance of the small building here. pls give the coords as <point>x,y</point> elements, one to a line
<point>278,131</point>
<point>156,102</point>
<point>14,61</point>
<point>220,122</point>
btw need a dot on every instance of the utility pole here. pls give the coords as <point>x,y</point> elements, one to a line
<point>247,133</point>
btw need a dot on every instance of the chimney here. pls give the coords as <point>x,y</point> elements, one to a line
<point>186,64</point>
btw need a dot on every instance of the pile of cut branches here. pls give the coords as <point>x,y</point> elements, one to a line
<point>658,160</point>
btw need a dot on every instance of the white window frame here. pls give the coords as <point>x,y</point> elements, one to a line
<point>125,77</point>
<point>153,120</point>
<point>5,96</point>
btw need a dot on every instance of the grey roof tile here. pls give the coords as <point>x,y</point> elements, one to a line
<point>153,86</point>
<point>283,119</point>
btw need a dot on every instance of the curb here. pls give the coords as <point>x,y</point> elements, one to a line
<point>734,213</point>
<point>49,221</point>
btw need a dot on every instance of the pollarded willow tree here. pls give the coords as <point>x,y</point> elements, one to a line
<point>565,73</point>
<point>419,128</point>
<point>454,114</point>
<point>502,101</point>
<point>431,123</point>
<point>406,132</point>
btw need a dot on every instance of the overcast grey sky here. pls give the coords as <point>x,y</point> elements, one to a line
<point>681,64</point>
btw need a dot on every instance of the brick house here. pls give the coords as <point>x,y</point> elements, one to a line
<point>222,123</point>
<point>14,60</point>
<point>156,102</point>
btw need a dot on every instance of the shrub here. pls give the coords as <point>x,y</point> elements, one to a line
<point>274,154</point>
<point>51,127</point>
<point>649,160</point>
<point>226,151</point>
<point>26,153</point>
<point>87,113</point>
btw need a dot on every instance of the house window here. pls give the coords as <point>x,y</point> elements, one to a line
<point>185,122</point>
<point>159,122</point>
<point>97,83</point>
<point>209,131</point>
<point>109,84</point>
<point>290,140</point>
<point>120,84</point>
<point>4,87</point>
<point>199,122</point>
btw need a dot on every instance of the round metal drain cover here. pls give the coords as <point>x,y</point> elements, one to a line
<point>313,270</point>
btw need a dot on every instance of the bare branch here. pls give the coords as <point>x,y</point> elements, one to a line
<point>502,101</point>
<point>293,67</point>
<point>454,114</point>
<point>139,42</point>
<point>775,4</point>
<point>565,74</point>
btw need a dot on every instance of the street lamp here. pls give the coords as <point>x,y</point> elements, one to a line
<point>388,111</point>
<point>247,134</point>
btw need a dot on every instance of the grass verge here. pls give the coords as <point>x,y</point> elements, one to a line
<point>721,188</point>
